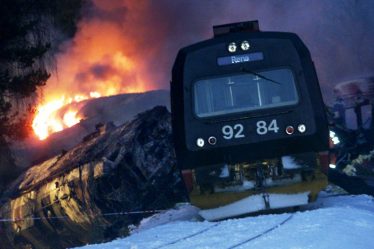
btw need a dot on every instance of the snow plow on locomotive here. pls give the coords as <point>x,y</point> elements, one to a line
<point>248,121</point>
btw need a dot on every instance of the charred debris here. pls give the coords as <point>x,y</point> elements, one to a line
<point>352,136</point>
<point>83,195</point>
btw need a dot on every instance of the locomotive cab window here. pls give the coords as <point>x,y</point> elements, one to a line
<point>244,92</point>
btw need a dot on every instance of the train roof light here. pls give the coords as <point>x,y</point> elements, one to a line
<point>232,47</point>
<point>245,45</point>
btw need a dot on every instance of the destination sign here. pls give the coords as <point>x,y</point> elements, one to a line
<point>241,58</point>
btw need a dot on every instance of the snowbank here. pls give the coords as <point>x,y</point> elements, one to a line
<point>332,222</point>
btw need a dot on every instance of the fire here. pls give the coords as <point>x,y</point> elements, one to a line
<point>70,118</point>
<point>94,64</point>
<point>48,121</point>
<point>95,95</point>
<point>43,124</point>
<point>49,118</point>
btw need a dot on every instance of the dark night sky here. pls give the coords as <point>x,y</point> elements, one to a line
<point>339,33</point>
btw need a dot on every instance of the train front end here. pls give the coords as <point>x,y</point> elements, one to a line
<point>248,120</point>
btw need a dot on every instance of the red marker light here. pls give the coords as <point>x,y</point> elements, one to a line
<point>290,130</point>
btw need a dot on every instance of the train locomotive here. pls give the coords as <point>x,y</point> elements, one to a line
<point>248,121</point>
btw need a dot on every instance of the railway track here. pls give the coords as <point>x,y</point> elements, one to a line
<point>174,242</point>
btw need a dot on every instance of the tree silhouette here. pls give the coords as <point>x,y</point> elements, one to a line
<point>27,29</point>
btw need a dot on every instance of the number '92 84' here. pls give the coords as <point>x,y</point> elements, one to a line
<point>238,130</point>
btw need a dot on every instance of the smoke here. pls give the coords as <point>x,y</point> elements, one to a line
<point>129,46</point>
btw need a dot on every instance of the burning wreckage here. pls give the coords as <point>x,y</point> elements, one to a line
<point>352,136</point>
<point>84,195</point>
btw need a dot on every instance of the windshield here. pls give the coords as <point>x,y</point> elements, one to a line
<point>244,92</point>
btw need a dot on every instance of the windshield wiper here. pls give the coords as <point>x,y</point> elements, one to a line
<point>260,76</point>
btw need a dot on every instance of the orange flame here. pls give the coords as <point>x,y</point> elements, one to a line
<point>43,124</point>
<point>70,118</point>
<point>94,64</point>
<point>48,121</point>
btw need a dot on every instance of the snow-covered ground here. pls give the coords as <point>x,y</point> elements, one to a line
<point>332,222</point>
